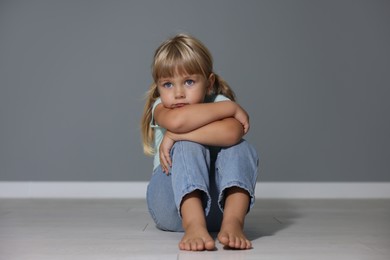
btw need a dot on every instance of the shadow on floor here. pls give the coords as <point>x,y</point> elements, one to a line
<point>268,217</point>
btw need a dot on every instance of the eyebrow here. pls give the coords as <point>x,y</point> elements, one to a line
<point>162,80</point>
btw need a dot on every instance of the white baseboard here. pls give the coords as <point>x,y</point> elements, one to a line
<point>125,190</point>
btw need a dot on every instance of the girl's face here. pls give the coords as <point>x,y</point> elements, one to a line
<point>181,90</point>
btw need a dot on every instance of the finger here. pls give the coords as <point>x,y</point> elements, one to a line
<point>162,167</point>
<point>168,158</point>
<point>247,125</point>
<point>168,163</point>
<point>163,164</point>
<point>247,128</point>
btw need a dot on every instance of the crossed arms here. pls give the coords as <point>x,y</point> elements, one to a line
<point>218,124</point>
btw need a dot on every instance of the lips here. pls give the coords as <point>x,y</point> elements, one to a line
<point>179,105</point>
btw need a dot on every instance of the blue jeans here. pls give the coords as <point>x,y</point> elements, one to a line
<point>198,167</point>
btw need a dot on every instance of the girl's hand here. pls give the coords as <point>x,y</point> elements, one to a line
<point>164,151</point>
<point>242,116</point>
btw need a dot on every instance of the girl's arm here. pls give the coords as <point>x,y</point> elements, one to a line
<point>190,117</point>
<point>224,132</point>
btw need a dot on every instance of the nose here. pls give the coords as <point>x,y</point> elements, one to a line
<point>179,92</point>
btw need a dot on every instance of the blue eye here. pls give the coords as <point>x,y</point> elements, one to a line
<point>167,85</point>
<point>189,82</point>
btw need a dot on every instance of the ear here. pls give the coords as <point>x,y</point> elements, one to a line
<point>211,81</point>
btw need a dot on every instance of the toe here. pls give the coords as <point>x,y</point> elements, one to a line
<point>223,239</point>
<point>210,245</point>
<point>232,241</point>
<point>199,245</point>
<point>243,244</point>
<point>181,246</point>
<point>248,244</point>
<point>194,245</point>
<point>237,243</point>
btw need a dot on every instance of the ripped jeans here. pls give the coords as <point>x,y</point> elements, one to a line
<point>198,167</point>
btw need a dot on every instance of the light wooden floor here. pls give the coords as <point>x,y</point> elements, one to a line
<point>122,229</point>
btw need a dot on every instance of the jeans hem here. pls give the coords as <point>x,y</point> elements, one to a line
<point>221,197</point>
<point>189,190</point>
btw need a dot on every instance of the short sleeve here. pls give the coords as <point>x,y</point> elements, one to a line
<point>220,97</point>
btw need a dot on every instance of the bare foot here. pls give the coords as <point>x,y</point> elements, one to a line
<point>232,236</point>
<point>196,238</point>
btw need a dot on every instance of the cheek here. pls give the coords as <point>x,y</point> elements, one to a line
<point>200,98</point>
<point>165,100</point>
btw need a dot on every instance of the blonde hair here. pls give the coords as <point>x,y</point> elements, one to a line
<point>181,54</point>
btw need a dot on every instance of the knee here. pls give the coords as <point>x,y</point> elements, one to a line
<point>243,149</point>
<point>187,145</point>
<point>190,148</point>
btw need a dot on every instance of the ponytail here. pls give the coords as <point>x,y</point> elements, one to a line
<point>223,88</point>
<point>146,130</point>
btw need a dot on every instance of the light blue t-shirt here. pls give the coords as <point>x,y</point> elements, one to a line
<point>159,131</point>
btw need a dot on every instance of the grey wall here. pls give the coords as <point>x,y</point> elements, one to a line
<point>314,76</point>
